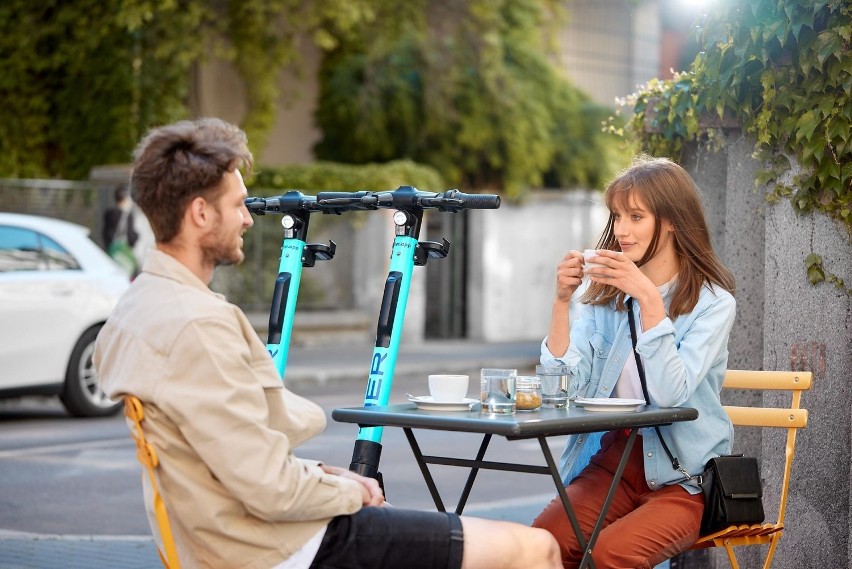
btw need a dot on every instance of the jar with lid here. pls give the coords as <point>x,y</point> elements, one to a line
<point>527,393</point>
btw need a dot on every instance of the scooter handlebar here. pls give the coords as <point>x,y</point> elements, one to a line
<point>406,197</point>
<point>292,201</point>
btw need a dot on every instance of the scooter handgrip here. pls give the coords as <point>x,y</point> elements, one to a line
<point>479,201</point>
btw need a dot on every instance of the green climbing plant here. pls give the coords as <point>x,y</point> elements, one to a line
<point>467,88</point>
<point>782,70</point>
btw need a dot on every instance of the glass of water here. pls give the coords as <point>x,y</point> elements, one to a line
<point>498,391</point>
<point>554,385</point>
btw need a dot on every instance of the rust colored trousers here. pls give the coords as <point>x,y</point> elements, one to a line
<point>643,527</point>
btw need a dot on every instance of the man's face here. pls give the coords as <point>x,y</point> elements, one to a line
<point>223,244</point>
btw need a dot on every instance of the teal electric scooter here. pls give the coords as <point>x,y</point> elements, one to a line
<point>406,252</point>
<point>295,209</point>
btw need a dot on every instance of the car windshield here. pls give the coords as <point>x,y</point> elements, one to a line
<point>27,250</point>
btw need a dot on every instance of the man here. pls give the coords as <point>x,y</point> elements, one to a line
<point>222,422</point>
<point>119,233</point>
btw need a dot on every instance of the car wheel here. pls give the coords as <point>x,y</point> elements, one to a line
<point>81,395</point>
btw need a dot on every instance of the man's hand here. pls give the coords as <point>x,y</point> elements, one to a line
<point>371,493</point>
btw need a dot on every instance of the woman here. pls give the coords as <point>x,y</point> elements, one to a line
<point>655,250</point>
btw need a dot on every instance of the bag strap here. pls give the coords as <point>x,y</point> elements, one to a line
<point>631,320</point>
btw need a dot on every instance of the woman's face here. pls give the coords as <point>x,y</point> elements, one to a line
<point>634,225</point>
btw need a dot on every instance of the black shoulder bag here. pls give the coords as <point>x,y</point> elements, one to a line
<point>731,484</point>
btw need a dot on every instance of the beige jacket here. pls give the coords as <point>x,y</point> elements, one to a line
<point>221,421</point>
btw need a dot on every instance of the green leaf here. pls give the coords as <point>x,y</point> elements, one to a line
<point>816,275</point>
<point>828,43</point>
<point>806,125</point>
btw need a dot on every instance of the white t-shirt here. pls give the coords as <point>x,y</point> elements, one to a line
<point>303,558</point>
<point>629,386</point>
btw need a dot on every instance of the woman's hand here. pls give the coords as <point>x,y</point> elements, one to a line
<point>623,274</point>
<point>371,492</point>
<point>619,271</point>
<point>569,275</point>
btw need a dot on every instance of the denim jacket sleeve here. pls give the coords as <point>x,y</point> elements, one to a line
<point>676,361</point>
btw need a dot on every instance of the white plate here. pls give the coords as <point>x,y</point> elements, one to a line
<point>609,404</point>
<point>426,403</point>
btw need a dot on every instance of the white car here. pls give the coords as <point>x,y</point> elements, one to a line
<point>57,287</point>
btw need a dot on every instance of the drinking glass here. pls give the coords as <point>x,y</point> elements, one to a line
<point>498,391</point>
<point>554,385</point>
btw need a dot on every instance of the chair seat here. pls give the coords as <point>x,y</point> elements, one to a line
<point>743,534</point>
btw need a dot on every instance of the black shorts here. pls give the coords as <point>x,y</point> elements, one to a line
<point>377,538</point>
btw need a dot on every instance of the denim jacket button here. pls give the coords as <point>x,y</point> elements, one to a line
<point>650,454</point>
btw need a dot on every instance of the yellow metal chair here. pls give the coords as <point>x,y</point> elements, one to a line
<point>791,418</point>
<point>148,457</point>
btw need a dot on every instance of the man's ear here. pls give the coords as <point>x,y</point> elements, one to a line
<point>197,212</point>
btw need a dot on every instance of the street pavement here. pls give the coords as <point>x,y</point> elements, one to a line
<point>309,369</point>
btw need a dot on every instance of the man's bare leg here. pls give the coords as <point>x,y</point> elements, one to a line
<point>490,544</point>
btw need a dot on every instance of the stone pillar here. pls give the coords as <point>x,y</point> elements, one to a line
<point>783,322</point>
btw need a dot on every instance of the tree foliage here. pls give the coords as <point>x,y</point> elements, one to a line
<point>466,87</point>
<point>82,80</point>
<point>463,86</point>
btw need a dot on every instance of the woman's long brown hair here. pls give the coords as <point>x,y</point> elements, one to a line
<point>670,194</point>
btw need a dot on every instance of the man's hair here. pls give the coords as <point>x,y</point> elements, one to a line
<point>176,163</point>
<point>670,194</point>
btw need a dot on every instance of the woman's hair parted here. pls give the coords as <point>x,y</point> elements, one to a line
<point>173,164</point>
<point>670,194</point>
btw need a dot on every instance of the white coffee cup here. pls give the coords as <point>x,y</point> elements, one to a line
<point>448,388</point>
<point>588,254</point>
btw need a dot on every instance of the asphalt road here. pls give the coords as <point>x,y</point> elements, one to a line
<point>66,476</point>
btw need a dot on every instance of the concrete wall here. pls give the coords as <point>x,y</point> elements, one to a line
<point>783,322</point>
<point>513,254</point>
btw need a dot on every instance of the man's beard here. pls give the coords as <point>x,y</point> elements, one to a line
<point>221,253</point>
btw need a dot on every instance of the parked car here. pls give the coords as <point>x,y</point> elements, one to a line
<point>57,287</point>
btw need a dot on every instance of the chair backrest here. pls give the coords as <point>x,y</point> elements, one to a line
<point>791,418</point>
<point>148,458</point>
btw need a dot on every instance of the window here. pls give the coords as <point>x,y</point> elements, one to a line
<point>26,250</point>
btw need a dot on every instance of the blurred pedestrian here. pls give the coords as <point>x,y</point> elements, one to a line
<point>119,234</point>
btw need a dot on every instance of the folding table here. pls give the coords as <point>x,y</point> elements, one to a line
<point>529,425</point>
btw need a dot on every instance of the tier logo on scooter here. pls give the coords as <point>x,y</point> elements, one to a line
<point>374,385</point>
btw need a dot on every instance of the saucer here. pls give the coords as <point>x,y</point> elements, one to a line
<point>609,404</point>
<point>426,403</point>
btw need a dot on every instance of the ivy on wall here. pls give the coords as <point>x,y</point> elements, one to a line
<point>783,71</point>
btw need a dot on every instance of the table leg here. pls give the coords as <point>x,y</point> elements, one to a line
<point>563,496</point>
<point>468,485</point>
<point>587,560</point>
<point>424,469</point>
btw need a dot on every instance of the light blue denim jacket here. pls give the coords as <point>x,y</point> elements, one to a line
<point>685,363</point>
